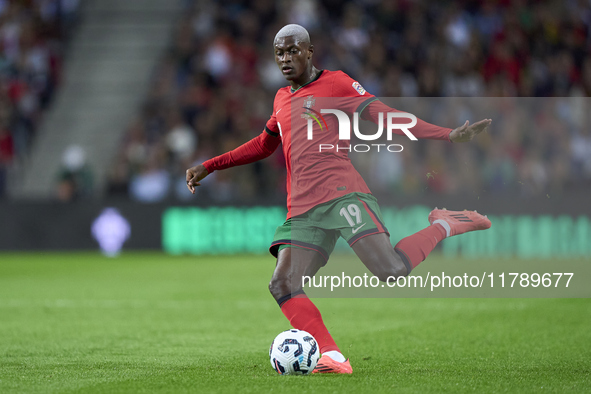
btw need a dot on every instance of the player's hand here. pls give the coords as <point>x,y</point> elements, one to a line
<point>467,131</point>
<point>194,175</point>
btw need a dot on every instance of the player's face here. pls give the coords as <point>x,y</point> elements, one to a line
<point>292,57</point>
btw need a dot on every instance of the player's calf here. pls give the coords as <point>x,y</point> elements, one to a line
<point>293,264</point>
<point>280,286</point>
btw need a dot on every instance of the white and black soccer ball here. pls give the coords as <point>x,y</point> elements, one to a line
<point>294,352</point>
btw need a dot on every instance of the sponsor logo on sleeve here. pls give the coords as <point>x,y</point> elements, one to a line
<point>357,86</point>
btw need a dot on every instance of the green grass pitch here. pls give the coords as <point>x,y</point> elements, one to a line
<point>148,322</point>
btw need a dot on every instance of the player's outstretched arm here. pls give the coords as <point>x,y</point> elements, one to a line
<point>256,149</point>
<point>468,131</point>
<point>425,130</point>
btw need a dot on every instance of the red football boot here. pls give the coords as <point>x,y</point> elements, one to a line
<point>459,222</point>
<point>328,365</point>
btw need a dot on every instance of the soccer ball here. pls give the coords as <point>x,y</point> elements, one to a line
<point>294,352</point>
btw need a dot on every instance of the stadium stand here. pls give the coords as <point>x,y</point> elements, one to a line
<point>110,59</point>
<point>33,39</point>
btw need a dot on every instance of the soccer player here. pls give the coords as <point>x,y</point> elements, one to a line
<point>321,184</point>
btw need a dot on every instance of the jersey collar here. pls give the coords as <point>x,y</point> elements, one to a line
<point>292,90</point>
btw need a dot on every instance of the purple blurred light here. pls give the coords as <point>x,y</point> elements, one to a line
<point>111,230</point>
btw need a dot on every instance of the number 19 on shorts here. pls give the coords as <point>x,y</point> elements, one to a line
<point>352,210</point>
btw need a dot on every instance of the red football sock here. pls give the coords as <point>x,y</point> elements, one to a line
<point>303,315</point>
<point>415,248</point>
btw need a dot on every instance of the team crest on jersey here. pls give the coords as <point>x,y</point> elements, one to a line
<point>357,86</point>
<point>311,114</point>
<point>310,101</point>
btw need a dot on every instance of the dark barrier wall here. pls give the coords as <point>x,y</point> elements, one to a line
<point>47,226</point>
<point>52,226</point>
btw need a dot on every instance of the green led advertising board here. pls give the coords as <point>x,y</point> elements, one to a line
<point>231,230</point>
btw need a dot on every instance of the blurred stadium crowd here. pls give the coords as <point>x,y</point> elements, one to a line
<point>33,34</point>
<point>214,90</point>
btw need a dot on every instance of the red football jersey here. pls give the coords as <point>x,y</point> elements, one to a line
<point>315,176</point>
